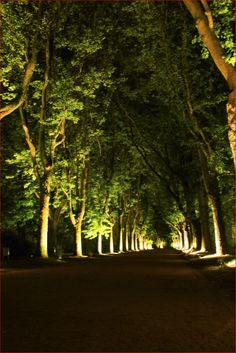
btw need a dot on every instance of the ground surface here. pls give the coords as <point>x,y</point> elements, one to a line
<point>152,301</point>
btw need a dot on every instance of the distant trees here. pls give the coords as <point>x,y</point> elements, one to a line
<point>113,129</point>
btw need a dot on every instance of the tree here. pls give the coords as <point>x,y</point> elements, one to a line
<point>203,18</point>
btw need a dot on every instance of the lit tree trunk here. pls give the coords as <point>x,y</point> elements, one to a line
<point>207,238</point>
<point>54,243</point>
<point>121,231</point>
<point>44,216</point>
<point>212,190</point>
<point>46,160</point>
<point>204,24</point>
<point>136,245</point>
<point>78,235</point>
<point>132,238</point>
<point>111,241</point>
<point>215,215</point>
<point>127,233</point>
<point>134,226</point>
<point>82,206</point>
<point>186,244</point>
<point>141,246</point>
<point>181,242</point>
<point>194,236</point>
<point>99,243</point>
<point>145,244</point>
<point>216,208</point>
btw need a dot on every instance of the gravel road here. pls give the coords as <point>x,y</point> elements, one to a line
<point>150,301</point>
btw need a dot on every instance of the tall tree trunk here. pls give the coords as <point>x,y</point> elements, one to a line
<point>127,232</point>
<point>215,215</point>
<point>181,240</point>
<point>218,222</point>
<point>52,226</point>
<point>203,21</point>
<point>141,245</point>
<point>111,241</point>
<point>134,226</point>
<point>207,238</point>
<point>121,231</point>
<point>133,235</point>
<point>212,189</point>
<point>186,244</point>
<point>81,213</point>
<point>78,235</point>
<point>136,245</point>
<point>44,215</point>
<point>99,243</point>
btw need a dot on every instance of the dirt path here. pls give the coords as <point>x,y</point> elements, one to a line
<point>151,301</point>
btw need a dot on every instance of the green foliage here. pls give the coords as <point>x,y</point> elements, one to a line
<point>122,81</point>
<point>223,18</point>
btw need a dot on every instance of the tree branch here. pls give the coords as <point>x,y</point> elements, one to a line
<point>208,13</point>
<point>29,70</point>
<point>42,147</point>
<point>29,142</point>
<point>210,40</point>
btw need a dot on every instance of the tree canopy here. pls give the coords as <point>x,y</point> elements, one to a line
<point>114,126</point>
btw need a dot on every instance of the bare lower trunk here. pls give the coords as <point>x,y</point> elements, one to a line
<point>82,207</point>
<point>121,245</point>
<point>132,239</point>
<point>127,226</point>
<point>44,216</point>
<point>44,227</point>
<point>207,238</point>
<point>136,247</point>
<point>141,247</point>
<point>215,215</point>
<point>78,236</point>
<point>111,242</point>
<point>99,243</point>
<point>185,237</point>
<point>181,241</point>
<point>145,244</point>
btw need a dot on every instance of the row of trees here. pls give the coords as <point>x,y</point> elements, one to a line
<point>114,126</point>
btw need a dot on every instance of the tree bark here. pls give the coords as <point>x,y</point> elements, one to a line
<point>111,241</point>
<point>127,232</point>
<point>132,239</point>
<point>99,243</point>
<point>186,244</point>
<point>141,245</point>
<point>207,238</point>
<point>44,215</point>
<point>210,182</point>
<point>121,231</point>
<point>81,213</point>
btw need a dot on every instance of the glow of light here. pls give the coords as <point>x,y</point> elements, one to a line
<point>197,252</point>
<point>188,251</point>
<point>212,256</point>
<point>231,263</point>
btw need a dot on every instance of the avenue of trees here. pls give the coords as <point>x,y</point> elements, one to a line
<point>117,126</point>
